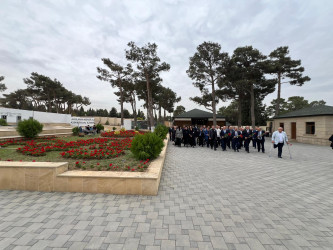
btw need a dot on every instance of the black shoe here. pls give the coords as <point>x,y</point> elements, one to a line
<point>248,151</point>
<point>237,150</point>
<point>263,152</point>
<point>280,157</point>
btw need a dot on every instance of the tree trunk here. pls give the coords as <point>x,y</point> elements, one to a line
<point>164,115</point>
<point>160,114</point>
<point>121,106</point>
<point>213,104</point>
<point>149,104</point>
<point>253,117</point>
<point>133,102</point>
<point>239,123</point>
<point>277,109</point>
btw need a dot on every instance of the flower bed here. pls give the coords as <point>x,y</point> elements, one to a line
<point>91,154</point>
<point>121,133</point>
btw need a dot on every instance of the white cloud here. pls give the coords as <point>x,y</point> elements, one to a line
<point>67,39</point>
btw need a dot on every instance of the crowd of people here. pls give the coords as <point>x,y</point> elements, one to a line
<point>227,137</point>
<point>231,137</point>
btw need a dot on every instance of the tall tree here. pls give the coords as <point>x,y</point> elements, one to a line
<point>149,66</point>
<point>168,101</point>
<point>207,68</point>
<point>113,112</point>
<point>2,85</point>
<point>115,75</point>
<point>250,66</point>
<point>286,69</point>
<point>179,110</point>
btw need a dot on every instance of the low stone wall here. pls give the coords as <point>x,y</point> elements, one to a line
<point>54,176</point>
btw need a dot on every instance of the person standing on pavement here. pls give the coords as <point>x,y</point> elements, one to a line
<point>279,138</point>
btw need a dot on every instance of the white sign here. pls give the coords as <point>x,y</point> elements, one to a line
<point>82,121</point>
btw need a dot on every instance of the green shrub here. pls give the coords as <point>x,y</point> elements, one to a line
<point>107,122</point>
<point>146,146</point>
<point>3,122</point>
<point>29,128</point>
<point>114,128</point>
<point>75,130</point>
<point>137,128</point>
<point>161,131</point>
<point>99,127</point>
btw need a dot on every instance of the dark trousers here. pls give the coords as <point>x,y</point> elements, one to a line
<point>247,144</point>
<point>208,143</point>
<point>170,135</point>
<point>235,144</point>
<point>213,143</point>
<point>261,145</point>
<point>178,142</point>
<point>224,143</point>
<point>228,142</point>
<point>254,142</point>
<point>200,141</point>
<point>279,146</point>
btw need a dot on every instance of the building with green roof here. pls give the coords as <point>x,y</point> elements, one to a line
<point>312,125</point>
<point>198,117</point>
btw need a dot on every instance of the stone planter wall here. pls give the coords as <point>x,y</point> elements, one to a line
<point>55,177</point>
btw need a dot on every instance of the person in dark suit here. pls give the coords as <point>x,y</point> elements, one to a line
<point>229,138</point>
<point>246,136</point>
<point>260,138</point>
<point>207,136</point>
<point>213,138</point>
<point>174,133</point>
<point>331,140</point>
<point>224,137</point>
<point>254,137</point>
<point>201,137</point>
<point>170,133</point>
<point>235,139</point>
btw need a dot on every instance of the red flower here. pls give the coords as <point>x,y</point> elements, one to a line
<point>77,163</point>
<point>33,160</point>
<point>133,169</point>
<point>110,165</point>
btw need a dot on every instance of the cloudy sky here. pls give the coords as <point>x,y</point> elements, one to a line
<point>66,39</point>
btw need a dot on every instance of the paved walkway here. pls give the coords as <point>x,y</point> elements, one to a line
<point>207,200</point>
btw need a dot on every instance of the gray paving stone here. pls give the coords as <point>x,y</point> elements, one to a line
<point>206,200</point>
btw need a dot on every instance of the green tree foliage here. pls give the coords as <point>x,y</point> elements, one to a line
<point>207,68</point>
<point>113,112</point>
<point>246,81</point>
<point>116,75</point>
<point>147,146</point>
<point>44,94</point>
<point>293,103</point>
<point>161,130</point>
<point>127,113</point>
<point>286,70</point>
<point>149,66</point>
<point>2,85</point>
<point>179,110</point>
<point>29,128</point>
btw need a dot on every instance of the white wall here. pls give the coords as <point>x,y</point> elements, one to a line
<point>42,117</point>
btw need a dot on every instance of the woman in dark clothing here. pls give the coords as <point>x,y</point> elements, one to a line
<point>331,140</point>
<point>191,134</point>
<point>186,136</point>
<point>179,137</point>
<point>201,136</point>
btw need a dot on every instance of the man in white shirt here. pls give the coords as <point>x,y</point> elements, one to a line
<point>279,137</point>
<point>218,132</point>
